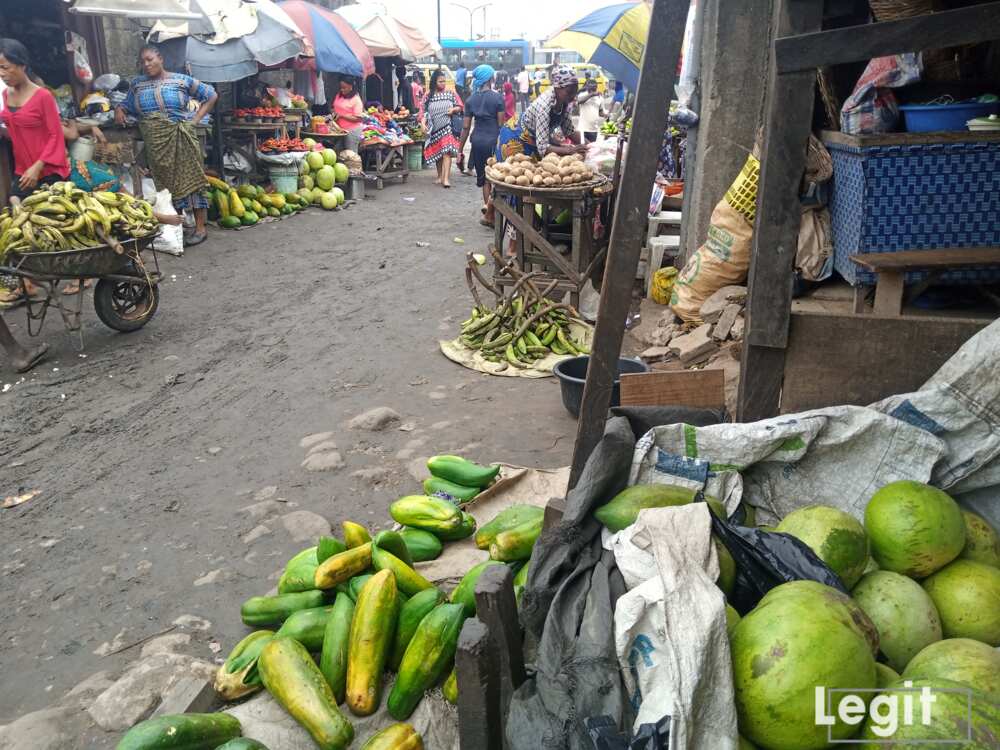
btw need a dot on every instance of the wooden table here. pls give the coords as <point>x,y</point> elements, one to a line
<point>535,248</point>
<point>276,129</point>
<point>333,140</point>
<point>381,162</point>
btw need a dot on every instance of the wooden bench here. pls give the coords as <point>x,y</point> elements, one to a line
<point>892,268</point>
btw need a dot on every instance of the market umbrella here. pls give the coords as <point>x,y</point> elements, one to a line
<point>613,37</point>
<point>230,41</point>
<point>333,43</point>
<point>387,36</point>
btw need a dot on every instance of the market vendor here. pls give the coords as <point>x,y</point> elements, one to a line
<point>160,100</point>
<point>531,132</point>
<point>349,113</point>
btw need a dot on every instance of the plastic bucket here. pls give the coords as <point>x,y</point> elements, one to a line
<point>355,188</point>
<point>928,118</point>
<point>82,149</point>
<point>285,179</point>
<point>572,374</point>
<point>415,158</point>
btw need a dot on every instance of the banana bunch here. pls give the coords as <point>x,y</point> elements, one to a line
<point>63,217</point>
<point>520,334</point>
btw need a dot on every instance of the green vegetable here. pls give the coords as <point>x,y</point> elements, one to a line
<point>181,732</point>
<point>327,547</point>
<point>428,513</point>
<point>230,222</point>
<point>408,580</point>
<point>333,660</point>
<point>371,638</point>
<point>429,654</point>
<point>506,520</point>
<point>423,545</point>
<point>465,591</point>
<point>392,542</point>
<point>307,627</point>
<point>457,491</point>
<point>300,572</point>
<point>466,529</point>
<point>242,743</point>
<point>410,615</point>
<point>238,674</point>
<point>270,610</point>
<point>461,471</point>
<point>355,584</point>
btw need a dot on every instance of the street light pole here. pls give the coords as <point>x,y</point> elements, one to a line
<point>439,20</point>
<point>471,12</point>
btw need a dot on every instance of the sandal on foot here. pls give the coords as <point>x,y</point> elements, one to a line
<point>37,355</point>
<point>195,239</point>
<point>486,223</point>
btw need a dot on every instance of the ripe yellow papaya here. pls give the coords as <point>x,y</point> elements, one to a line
<point>344,566</point>
<point>372,628</point>
<point>397,737</point>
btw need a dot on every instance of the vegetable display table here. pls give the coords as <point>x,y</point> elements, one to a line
<point>381,162</point>
<point>332,140</point>
<point>563,250</point>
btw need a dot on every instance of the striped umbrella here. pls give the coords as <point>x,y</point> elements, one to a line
<point>613,37</point>
<point>333,43</point>
<point>387,36</point>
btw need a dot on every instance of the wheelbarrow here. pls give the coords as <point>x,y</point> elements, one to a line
<point>126,294</point>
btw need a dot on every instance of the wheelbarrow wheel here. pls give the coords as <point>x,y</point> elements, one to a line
<point>125,306</point>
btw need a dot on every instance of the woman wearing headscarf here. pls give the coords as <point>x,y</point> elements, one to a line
<point>349,113</point>
<point>159,99</point>
<point>531,132</point>
<point>484,114</point>
<point>441,146</point>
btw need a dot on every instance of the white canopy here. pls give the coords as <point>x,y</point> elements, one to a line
<point>387,36</point>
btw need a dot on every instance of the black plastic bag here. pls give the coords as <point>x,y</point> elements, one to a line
<point>765,559</point>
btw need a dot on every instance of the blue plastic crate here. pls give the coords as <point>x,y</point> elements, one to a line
<point>888,198</point>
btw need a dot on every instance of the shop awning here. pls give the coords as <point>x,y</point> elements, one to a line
<point>336,46</point>
<point>231,41</point>
<point>172,9</point>
<point>386,35</point>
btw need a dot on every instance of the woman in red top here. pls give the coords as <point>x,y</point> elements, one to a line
<point>35,130</point>
<point>33,124</point>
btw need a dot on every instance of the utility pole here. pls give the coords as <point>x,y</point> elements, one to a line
<point>439,20</point>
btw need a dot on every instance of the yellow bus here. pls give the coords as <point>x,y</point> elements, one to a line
<point>539,86</point>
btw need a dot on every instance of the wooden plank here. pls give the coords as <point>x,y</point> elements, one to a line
<point>628,227</point>
<point>845,359</point>
<point>497,609</point>
<point>706,388</point>
<point>808,51</point>
<point>480,724</point>
<point>955,257</point>
<point>889,293</point>
<point>909,139</point>
<point>788,118</point>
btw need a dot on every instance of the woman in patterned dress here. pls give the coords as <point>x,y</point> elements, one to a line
<point>159,99</point>
<point>441,146</point>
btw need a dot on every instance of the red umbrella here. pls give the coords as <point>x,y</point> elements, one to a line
<point>334,45</point>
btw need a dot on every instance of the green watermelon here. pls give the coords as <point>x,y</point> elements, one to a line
<point>886,675</point>
<point>982,543</point>
<point>964,660</point>
<point>949,720</point>
<point>914,529</point>
<point>903,613</point>
<point>836,538</point>
<point>727,568</point>
<point>967,596</point>
<point>795,639</point>
<point>732,619</point>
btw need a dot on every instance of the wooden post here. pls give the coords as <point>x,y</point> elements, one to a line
<point>656,87</point>
<point>787,124</point>
<point>480,724</point>
<point>496,607</point>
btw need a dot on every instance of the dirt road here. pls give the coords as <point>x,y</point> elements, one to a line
<point>147,448</point>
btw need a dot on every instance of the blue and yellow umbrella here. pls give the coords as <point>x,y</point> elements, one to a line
<point>613,37</point>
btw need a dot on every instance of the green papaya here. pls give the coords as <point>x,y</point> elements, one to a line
<point>355,534</point>
<point>465,591</point>
<point>327,547</point>
<point>408,581</point>
<point>238,674</point>
<point>270,610</point>
<point>466,529</point>
<point>457,491</point>
<point>622,510</point>
<point>517,543</point>
<point>392,542</point>
<point>249,218</point>
<point>356,583</point>
<point>300,572</point>
<point>307,626</point>
<point>230,222</point>
<point>462,471</point>
<point>243,743</point>
<point>450,689</point>
<point>428,513</point>
<point>333,659</point>
<point>423,545</point>
<point>507,519</point>
<point>410,615</point>
<point>183,731</point>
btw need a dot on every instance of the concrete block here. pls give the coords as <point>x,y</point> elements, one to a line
<point>712,308</point>
<point>737,330</point>
<point>725,322</point>
<point>190,695</point>
<point>694,347</point>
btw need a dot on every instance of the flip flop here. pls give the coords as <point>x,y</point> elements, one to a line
<point>195,239</point>
<point>37,356</point>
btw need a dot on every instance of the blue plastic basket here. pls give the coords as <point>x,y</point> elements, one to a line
<point>928,118</point>
<point>888,198</point>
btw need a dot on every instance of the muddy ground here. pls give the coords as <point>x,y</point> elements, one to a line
<point>148,448</point>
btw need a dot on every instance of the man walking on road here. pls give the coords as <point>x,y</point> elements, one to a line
<point>460,75</point>
<point>524,88</point>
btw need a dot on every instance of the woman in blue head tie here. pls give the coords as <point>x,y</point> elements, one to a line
<point>484,114</point>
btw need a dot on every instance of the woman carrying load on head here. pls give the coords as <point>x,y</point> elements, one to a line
<point>442,145</point>
<point>531,132</point>
<point>159,99</point>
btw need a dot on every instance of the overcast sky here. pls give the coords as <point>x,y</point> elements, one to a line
<point>533,19</point>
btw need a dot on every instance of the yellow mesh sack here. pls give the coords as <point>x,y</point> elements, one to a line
<point>742,194</point>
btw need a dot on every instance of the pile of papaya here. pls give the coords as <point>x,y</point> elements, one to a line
<point>349,611</point>
<point>248,204</point>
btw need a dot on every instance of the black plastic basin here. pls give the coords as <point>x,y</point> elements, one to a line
<point>572,374</point>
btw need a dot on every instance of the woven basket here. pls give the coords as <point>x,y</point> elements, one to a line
<point>939,64</point>
<point>114,153</point>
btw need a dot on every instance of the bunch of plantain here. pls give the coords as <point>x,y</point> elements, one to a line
<point>518,333</point>
<point>63,217</point>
